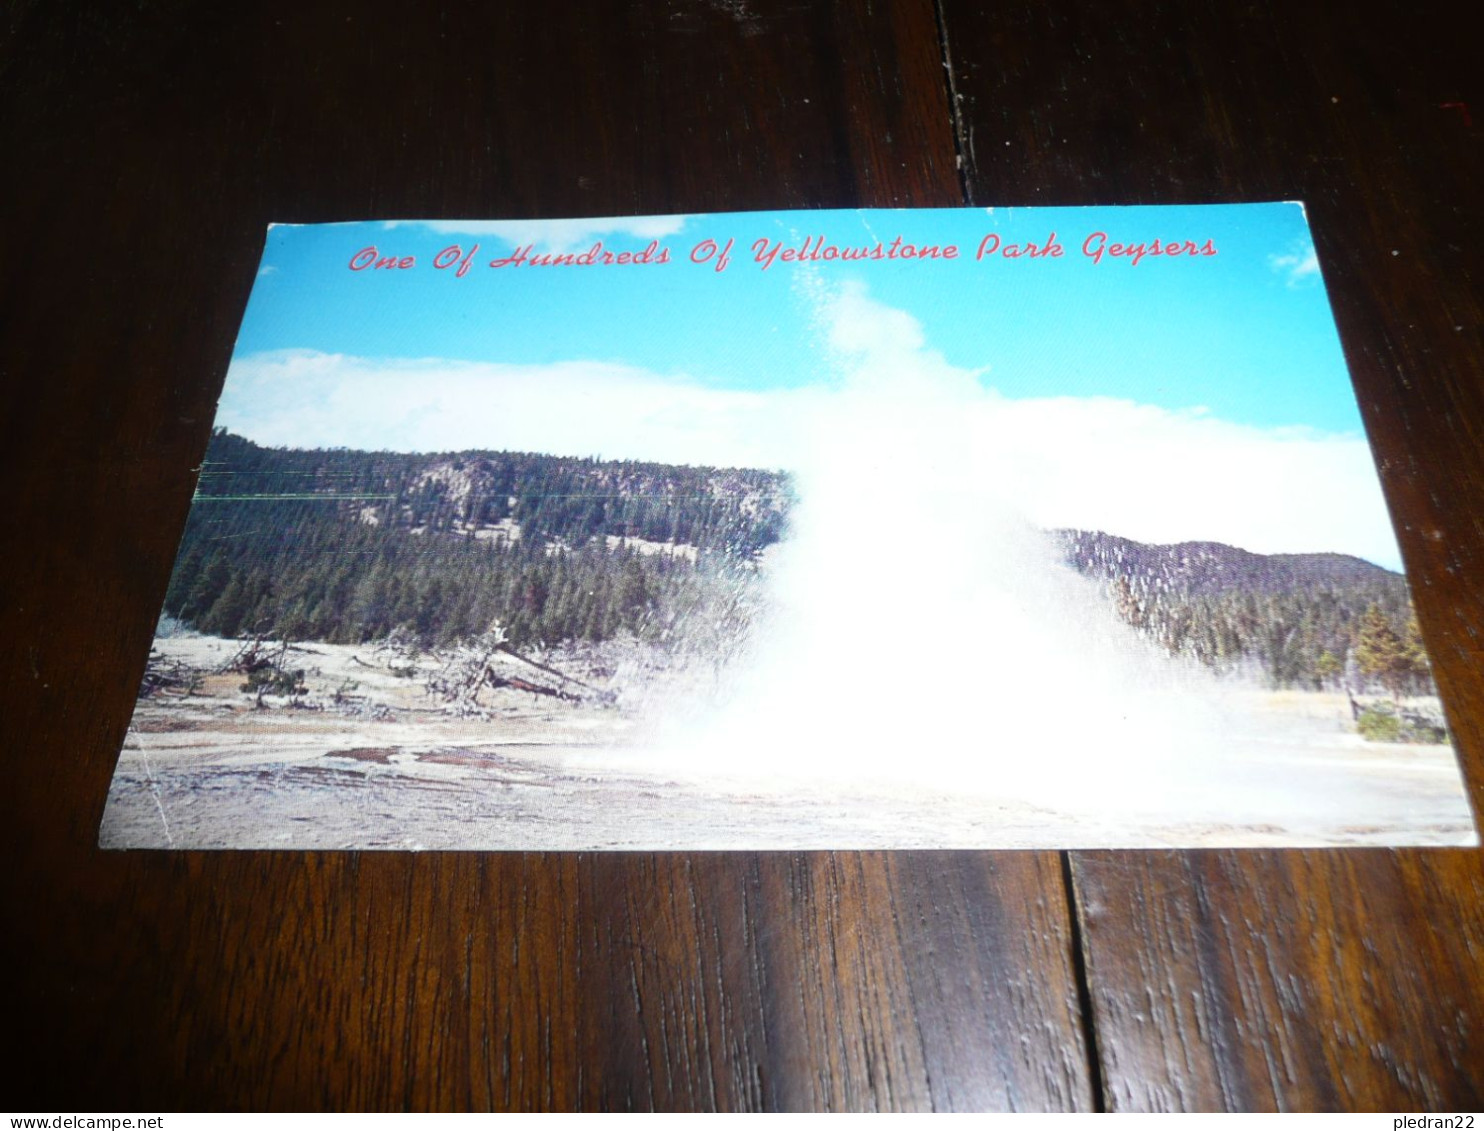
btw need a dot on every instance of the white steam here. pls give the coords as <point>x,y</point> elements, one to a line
<point>919,628</point>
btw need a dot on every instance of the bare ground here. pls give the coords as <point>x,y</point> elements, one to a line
<point>382,765</point>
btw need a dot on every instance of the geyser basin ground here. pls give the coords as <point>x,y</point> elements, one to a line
<point>211,771</point>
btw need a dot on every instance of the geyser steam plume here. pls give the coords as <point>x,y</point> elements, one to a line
<point>917,628</point>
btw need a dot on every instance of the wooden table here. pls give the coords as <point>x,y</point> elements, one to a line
<point>146,146</point>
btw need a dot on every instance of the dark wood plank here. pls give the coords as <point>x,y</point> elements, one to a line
<point>1287,980</point>
<point>836,980</point>
<point>150,149</point>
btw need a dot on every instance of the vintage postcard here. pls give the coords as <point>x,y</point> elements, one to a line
<point>960,528</point>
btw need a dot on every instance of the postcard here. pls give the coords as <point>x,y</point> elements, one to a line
<point>956,528</point>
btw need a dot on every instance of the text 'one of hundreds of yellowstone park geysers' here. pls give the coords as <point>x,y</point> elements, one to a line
<point>1096,248</point>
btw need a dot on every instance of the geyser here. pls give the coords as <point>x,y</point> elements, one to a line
<point>916,627</point>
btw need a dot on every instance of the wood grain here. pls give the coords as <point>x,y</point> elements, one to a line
<point>148,151</point>
<point>1287,980</point>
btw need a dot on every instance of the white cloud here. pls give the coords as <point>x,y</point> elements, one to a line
<point>857,324</point>
<point>903,428</point>
<point>303,398</point>
<point>556,235</point>
<point>1102,463</point>
<point>1300,266</point>
<point>1161,476</point>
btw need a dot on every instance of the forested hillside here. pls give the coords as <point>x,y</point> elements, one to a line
<point>348,546</point>
<point>345,546</point>
<point>1292,620</point>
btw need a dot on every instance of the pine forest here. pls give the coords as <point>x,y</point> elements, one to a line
<point>348,547</point>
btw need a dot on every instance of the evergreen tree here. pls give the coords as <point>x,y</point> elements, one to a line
<point>1385,655</point>
<point>1327,669</point>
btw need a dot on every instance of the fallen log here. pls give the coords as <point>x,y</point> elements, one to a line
<point>518,684</point>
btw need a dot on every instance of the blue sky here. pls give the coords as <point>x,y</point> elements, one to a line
<point>1172,399</point>
<point>1246,334</point>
